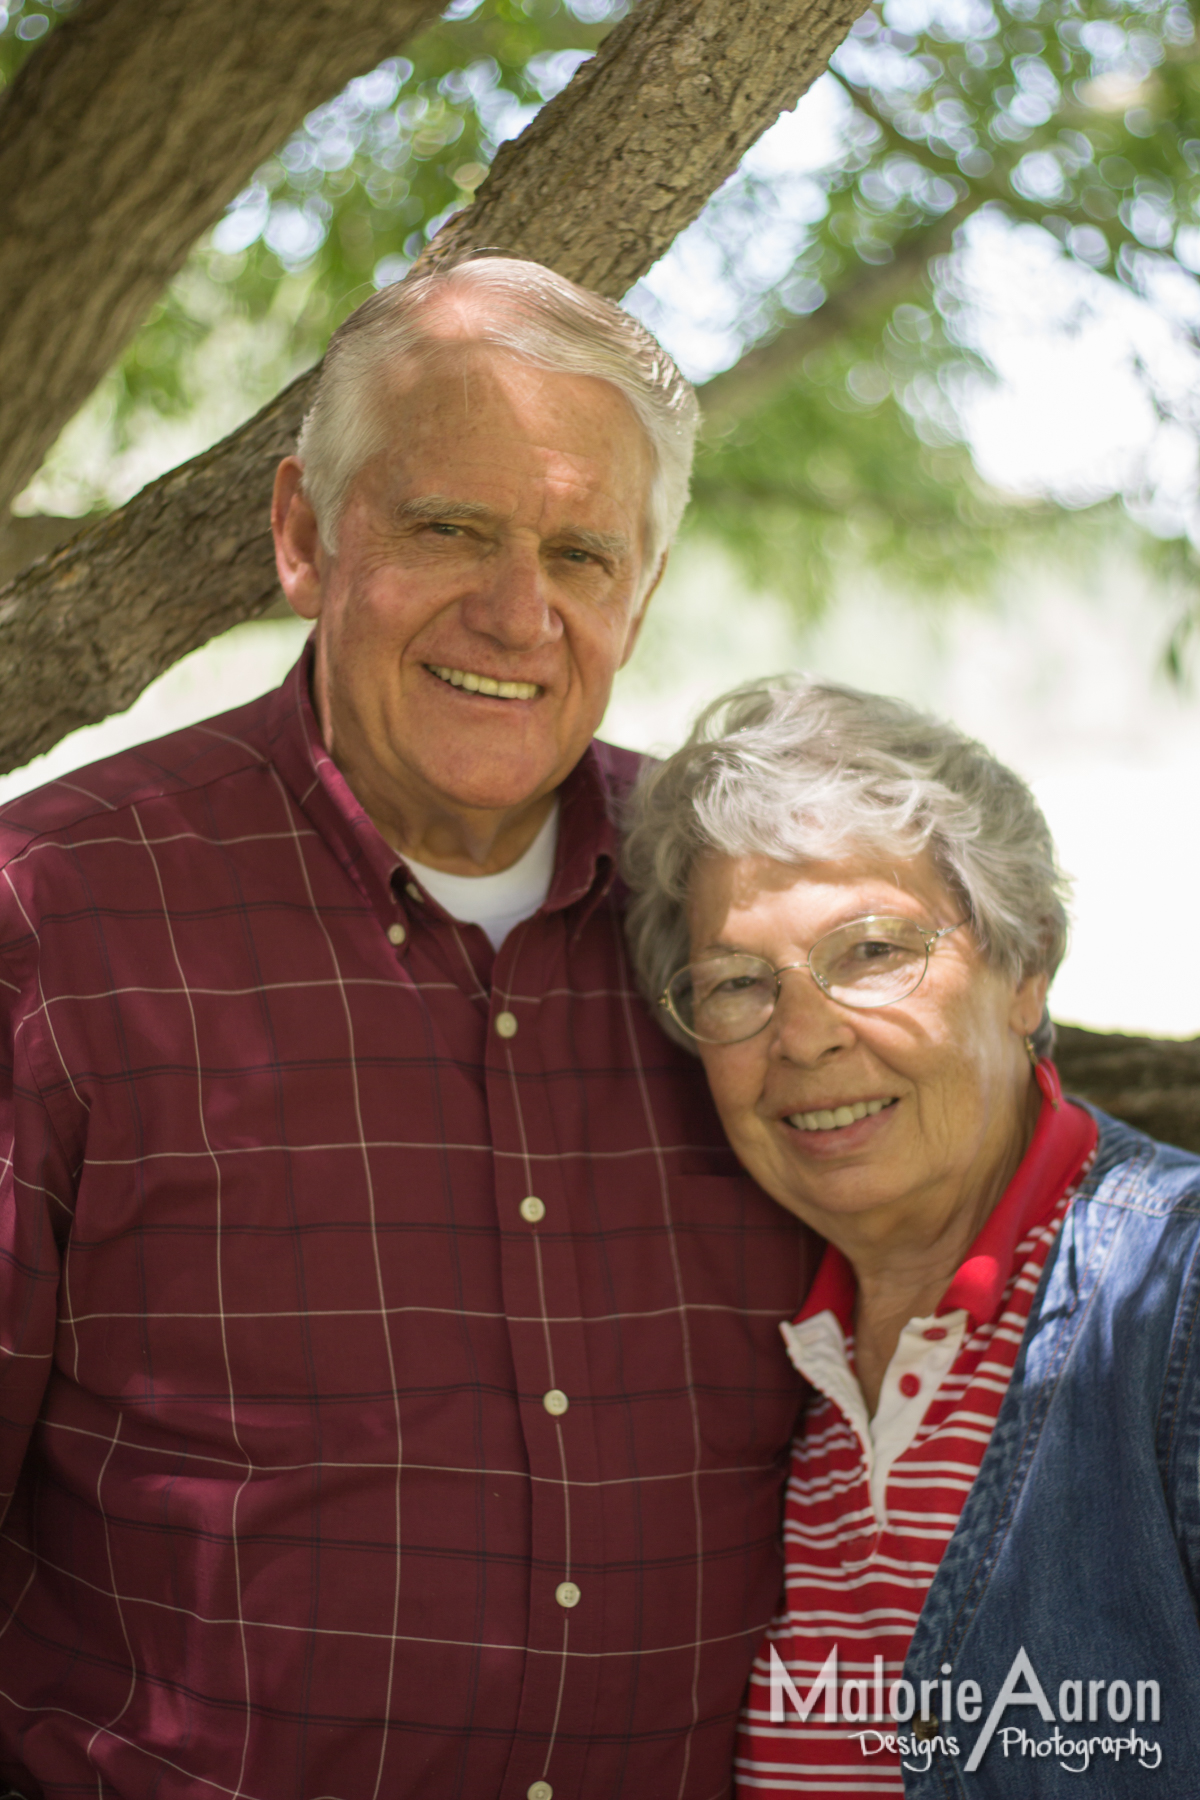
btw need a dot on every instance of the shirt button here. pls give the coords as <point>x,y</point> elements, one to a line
<point>413,891</point>
<point>539,1790</point>
<point>533,1210</point>
<point>934,1333</point>
<point>910,1386</point>
<point>506,1025</point>
<point>396,934</point>
<point>555,1402</point>
<point>567,1594</point>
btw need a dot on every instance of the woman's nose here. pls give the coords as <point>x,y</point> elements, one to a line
<point>807,1025</point>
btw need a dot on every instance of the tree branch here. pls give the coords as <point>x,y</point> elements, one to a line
<point>611,171</point>
<point>597,187</point>
<point>22,539</point>
<point>84,630</point>
<point>728,396</point>
<point>121,140</point>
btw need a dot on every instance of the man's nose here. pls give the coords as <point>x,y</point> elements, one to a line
<point>807,1026</point>
<point>510,600</point>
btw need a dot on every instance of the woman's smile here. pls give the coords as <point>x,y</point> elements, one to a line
<point>833,1128</point>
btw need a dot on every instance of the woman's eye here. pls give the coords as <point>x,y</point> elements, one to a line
<point>874,950</point>
<point>734,986</point>
<point>706,990</point>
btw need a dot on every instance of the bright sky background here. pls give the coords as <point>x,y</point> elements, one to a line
<point>1059,676</point>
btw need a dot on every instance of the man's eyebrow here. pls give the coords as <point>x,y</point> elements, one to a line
<point>426,507</point>
<point>431,507</point>
<point>600,543</point>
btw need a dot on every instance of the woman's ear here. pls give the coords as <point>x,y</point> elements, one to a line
<point>297,540</point>
<point>1029,1004</point>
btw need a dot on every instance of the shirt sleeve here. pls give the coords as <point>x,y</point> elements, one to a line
<point>35,1188</point>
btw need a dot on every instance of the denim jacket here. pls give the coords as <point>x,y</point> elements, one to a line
<point>1079,1544</point>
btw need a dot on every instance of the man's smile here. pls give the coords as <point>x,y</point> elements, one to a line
<point>485,684</point>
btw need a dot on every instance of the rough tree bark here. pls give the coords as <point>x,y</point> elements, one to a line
<point>597,187</point>
<point>1154,1083</point>
<point>688,86</point>
<point>102,193</point>
<point>23,539</point>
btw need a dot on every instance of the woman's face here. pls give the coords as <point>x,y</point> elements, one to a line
<point>948,1061</point>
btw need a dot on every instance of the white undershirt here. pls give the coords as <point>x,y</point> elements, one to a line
<point>497,902</point>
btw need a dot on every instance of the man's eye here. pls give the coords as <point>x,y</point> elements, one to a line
<point>444,528</point>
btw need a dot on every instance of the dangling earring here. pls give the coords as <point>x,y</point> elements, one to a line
<point>1043,1074</point>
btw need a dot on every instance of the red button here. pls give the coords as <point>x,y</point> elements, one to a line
<point>934,1333</point>
<point>910,1386</point>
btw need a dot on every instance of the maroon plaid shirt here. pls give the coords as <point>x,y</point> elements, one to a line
<point>392,1385</point>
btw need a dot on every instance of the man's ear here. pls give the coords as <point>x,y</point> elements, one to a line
<point>298,553</point>
<point>635,624</point>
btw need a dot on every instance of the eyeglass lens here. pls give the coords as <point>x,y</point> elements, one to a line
<point>869,962</point>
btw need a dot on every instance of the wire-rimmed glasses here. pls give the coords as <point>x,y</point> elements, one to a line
<point>867,962</point>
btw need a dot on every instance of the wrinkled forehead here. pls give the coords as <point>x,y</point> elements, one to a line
<point>472,370</point>
<point>730,896</point>
<point>457,401</point>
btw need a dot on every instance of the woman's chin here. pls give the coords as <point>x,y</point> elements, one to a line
<point>823,1175</point>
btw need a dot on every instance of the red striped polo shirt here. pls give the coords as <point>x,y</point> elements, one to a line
<point>871,1504</point>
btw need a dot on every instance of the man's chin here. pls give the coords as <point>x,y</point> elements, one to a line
<point>491,766</point>
<point>501,785</point>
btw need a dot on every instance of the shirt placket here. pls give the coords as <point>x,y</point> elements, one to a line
<point>545,1308</point>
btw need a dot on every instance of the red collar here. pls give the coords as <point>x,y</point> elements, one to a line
<point>1063,1141</point>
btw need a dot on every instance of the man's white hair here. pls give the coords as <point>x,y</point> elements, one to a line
<point>531,313</point>
<point>803,770</point>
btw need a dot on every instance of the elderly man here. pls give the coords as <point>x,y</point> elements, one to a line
<point>392,1395</point>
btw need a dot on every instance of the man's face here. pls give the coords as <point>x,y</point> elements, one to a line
<point>498,543</point>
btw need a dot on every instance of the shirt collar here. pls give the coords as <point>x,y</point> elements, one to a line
<point>587,834</point>
<point>1063,1141</point>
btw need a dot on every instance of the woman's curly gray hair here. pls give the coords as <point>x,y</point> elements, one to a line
<point>797,770</point>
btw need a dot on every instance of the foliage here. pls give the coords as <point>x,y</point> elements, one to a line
<point>1082,121</point>
<point>831,474</point>
<point>22,27</point>
<point>1085,120</point>
<point>1080,118</point>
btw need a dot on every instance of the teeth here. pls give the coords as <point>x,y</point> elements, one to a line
<point>485,684</point>
<point>842,1115</point>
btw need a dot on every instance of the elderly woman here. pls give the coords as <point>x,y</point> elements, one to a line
<point>852,913</point>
